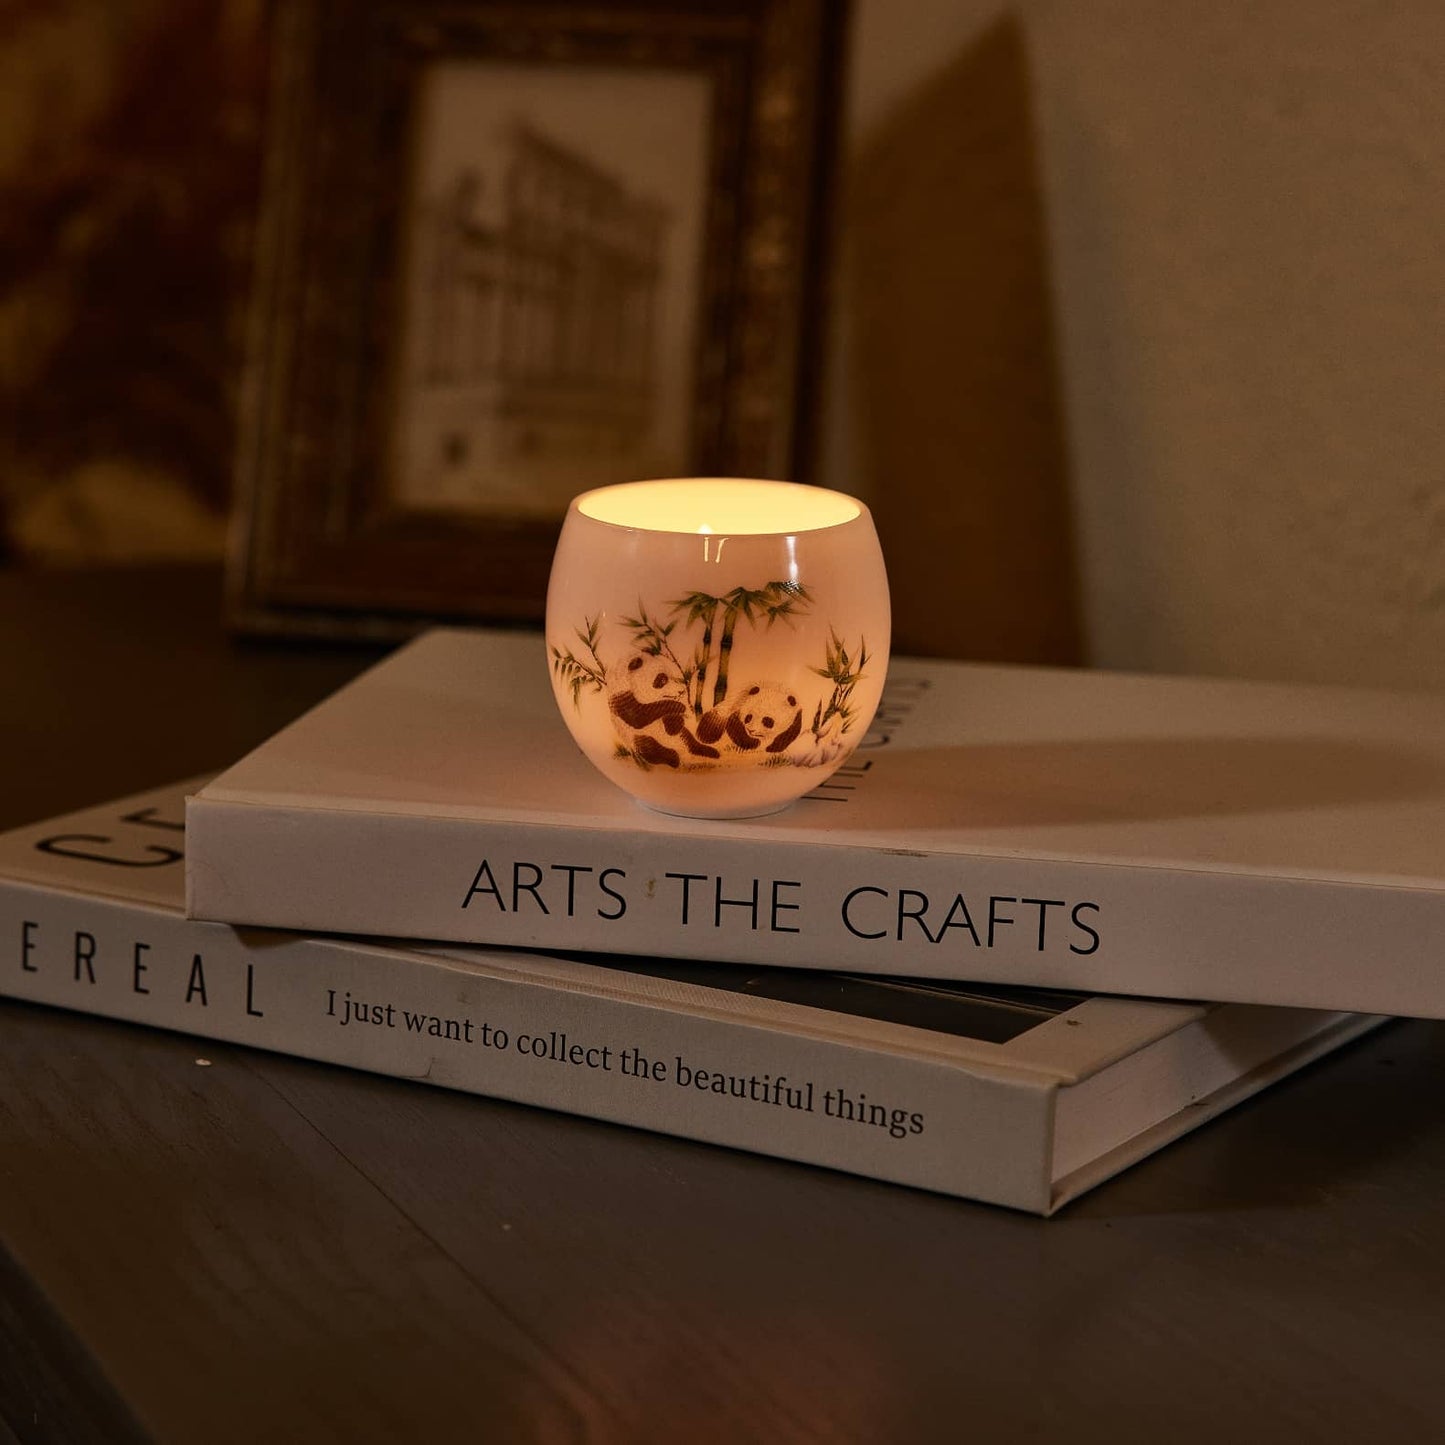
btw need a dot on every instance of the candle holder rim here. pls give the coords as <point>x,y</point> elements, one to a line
<point>861,514</point>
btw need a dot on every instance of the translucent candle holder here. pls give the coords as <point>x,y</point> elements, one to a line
<point>717,646</point>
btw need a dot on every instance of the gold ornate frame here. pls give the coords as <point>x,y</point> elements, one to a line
<point>320,545</point>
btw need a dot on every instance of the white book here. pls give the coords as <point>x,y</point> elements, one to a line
<point>1186,838</point>
<point>1015,1097</point>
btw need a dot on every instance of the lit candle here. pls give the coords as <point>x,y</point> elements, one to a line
<point>717,645</point>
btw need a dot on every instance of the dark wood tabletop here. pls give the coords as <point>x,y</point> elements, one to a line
<point>262,1250</point>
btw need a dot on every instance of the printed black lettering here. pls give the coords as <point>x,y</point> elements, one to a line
<point>719,903</point>
<point>251,1008</point>
<point>847,916</point>
<point>519,887</point>
<point>63,845</point>
<point>137,968</point>
<point>196,986</point>
<point>688,879</point>
<point>484,883</point>
<point>611,893</point>
<point>571,870</point>
<point>918,913</point>
<point>1084,928</point>
<point>780,907</point>
<point>27,946</point>
<point>997,919</point>
<point>84,955</point>
<point>959,917</point>
<point>146,818</point>
<point>1043,905</point>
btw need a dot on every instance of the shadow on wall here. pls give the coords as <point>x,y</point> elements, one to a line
<point>955,384</point>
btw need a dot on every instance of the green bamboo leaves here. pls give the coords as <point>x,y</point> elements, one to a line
<point>845,674</point>
<point>577,672</point>
<point>777,601</point>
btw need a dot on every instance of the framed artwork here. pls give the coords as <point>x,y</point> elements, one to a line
<point>507,252</point>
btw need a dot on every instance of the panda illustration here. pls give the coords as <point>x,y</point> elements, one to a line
<point>765,717</point>
<point>649,712</point>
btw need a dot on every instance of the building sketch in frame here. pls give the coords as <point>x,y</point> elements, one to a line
<point>553,256</point>
<point>506,252</point>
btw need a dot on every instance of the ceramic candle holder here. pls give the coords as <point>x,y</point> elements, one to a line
<point>717,646</point>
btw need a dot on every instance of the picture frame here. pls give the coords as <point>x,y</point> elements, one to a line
<point>506,252</point>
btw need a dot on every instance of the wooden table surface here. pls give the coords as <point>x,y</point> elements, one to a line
<point>265,1250</point>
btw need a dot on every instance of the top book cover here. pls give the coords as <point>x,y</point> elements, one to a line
<point>1111,832</point>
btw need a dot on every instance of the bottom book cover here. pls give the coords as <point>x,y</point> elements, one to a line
<point>1016,1097</point>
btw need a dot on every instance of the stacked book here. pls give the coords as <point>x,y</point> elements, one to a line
<point>970,962</point>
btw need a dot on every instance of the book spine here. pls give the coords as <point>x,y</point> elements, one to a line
<point>1147,930</point>
<point>487,1028</point>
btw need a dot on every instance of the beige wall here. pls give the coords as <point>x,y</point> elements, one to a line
<point>1243,211</point>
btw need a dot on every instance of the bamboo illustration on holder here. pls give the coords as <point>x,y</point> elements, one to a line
<point>774,602</point>
<point>845,674</point>
<point>674,705</point>
<point>577,672</point>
